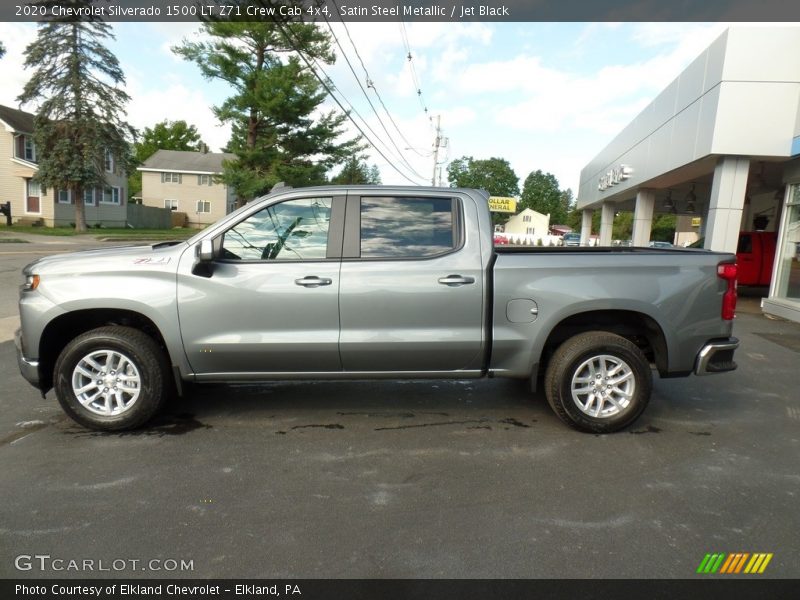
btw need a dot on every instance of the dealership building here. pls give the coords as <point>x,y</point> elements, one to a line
<point>719,148</point>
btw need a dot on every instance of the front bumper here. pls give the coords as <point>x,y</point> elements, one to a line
<point>716,357</point>
<point>28,368</point>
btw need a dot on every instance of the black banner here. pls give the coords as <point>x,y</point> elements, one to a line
<point>401,589</point>
<point>404,10</point>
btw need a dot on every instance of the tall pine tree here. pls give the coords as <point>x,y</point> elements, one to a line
<point>75,84</point>
<point>277,132</point>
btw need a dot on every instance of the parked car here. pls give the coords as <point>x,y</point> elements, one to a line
<point>500,240</point>
<point>370,282</point>
<point>755,256</point>
<point>571,239</point>
<point>659,244</point>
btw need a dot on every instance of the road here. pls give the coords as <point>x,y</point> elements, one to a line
<point>410,479</point>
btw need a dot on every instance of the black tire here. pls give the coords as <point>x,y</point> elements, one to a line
<point>577,359</point>
<point>148,375</point>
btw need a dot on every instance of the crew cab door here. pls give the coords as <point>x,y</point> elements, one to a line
<point>268,301</point>
<point>411,292</point>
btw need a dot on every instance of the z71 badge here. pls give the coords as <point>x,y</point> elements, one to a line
<point>161,260</point>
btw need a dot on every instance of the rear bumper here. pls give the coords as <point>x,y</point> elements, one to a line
<point>716,357</point>
<point>28,368</point>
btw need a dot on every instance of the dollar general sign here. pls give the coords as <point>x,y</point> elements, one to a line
<point>500,204</point>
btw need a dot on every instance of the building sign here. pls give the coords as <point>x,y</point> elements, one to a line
<point>499,204</point>
<point>614,176</point>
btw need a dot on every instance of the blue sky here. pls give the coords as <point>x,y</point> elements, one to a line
<point>544,96</point>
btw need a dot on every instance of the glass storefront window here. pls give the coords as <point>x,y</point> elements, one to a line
<point>788,255</point>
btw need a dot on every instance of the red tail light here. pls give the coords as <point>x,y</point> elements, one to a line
<point>728,271</point>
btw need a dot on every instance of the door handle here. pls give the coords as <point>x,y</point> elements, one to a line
<point>456,280</point>
<point>313,281</point>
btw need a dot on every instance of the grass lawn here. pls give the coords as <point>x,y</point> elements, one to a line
<point>179,233</point>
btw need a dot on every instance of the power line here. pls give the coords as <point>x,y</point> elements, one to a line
<point>372,106</point>
<point>414,76</point>
<point>327,88</point>
<point>371,83</point>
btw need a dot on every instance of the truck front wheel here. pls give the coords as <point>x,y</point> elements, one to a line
<point>598,382</point>
<point>111,378</point>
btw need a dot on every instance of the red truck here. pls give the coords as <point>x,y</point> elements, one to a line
<point>755,256</point>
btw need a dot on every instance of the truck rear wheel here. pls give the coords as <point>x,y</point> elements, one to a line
<point>111,378</point>
<point>598,382</point>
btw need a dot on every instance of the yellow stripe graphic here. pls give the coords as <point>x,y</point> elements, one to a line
<point>753,560</point>
<point>759,559</point>
<point>765,563</point>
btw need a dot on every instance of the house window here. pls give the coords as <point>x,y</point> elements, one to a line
<point>24,148</point>
<point>171,178</point>
<point>203,206</point>
<point>88,197</point>
<point>171,204</point>
<point>111,195</point>
<point>205,180</point>
<point>64,197</point>
<point>109,162</point>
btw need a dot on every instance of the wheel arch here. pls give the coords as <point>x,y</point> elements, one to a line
<point>640,328</point>
<point>66,327</point>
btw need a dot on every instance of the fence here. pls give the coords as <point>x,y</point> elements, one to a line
<point>149,217</point>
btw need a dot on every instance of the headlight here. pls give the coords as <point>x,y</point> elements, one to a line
<point>31,283</point>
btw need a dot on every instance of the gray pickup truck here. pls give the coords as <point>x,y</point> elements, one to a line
<point>370,282</point>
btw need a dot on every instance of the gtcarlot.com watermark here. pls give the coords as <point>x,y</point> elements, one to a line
<point>47,563</point>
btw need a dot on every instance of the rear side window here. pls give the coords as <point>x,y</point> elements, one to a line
<point>407,227</point>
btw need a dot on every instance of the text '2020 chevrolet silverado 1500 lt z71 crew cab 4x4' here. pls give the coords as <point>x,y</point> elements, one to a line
<point>363,282</point>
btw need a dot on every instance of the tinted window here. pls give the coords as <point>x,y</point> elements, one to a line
<point>745,245</point>
<point>292,230</point>
<point>406,227</point>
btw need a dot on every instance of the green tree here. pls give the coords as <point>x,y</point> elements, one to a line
<point>494,175</point>
<point>166,135</point>
<point>277,131</point>
<point>663,228</point>
<point>356,171</point>
<point>541,193</point>
<point>75,84</point>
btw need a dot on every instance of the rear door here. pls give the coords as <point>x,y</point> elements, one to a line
<point>411,291</point>
<point>769,241</point>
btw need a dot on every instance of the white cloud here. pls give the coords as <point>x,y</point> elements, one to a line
<point>15,37</point>
<point>176,101</point>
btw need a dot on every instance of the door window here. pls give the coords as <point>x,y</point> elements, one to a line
<point>407,227</point>
<point>291,230</point>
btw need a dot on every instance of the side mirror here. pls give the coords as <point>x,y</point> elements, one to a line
<point>205,252</point>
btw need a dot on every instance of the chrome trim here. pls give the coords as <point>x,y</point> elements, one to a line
<point>707,353</point>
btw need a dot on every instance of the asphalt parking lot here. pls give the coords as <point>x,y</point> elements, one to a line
<point>425,479</point>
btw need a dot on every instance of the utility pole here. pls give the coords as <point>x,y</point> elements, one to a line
<point>436,142</point>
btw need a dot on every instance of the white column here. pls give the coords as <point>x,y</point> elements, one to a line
<point>726,204</point>
<point>586,226</point>
<point>643,217</point>
<point>606,223</point>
